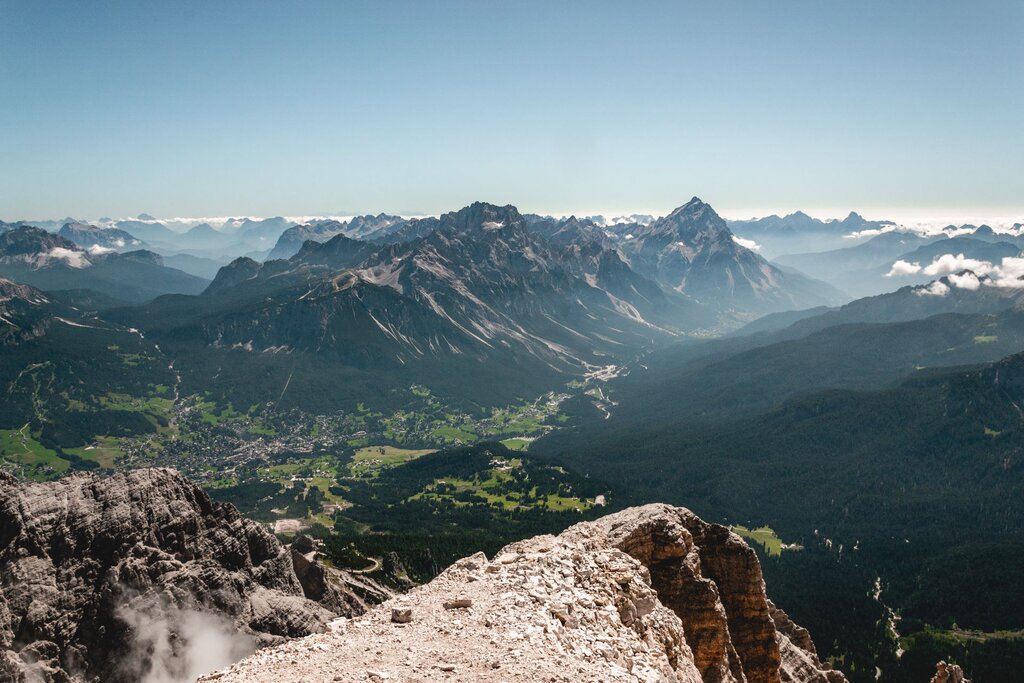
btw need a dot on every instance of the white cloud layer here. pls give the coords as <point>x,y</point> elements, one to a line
<point>872,232</point>
<point>964,273</point>
<point>965,281</point>
<point>948,263</point>
<point>748,244</point>
<point>903,268</point>
<point>937,288</point>
<point>75,259</point>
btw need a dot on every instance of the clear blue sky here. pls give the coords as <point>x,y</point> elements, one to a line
<point>218,108</point>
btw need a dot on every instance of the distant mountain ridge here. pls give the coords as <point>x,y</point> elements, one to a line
<point>864,269</point>
<point>51,262</point>
<point>359,227</point>
<point>798,232</point>
<point>90,237</point>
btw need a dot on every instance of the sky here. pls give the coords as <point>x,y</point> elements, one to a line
<point>296,108</point>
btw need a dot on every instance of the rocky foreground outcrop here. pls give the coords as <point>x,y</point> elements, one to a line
<point>949,673</point>
<point>648,594</point>
<point>141,576</point>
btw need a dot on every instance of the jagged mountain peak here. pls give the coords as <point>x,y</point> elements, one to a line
<point>695,204</point>
<point>694,219</point>
<point>79,225</point>
<point>241,269</point>
<point>696,207</point>
<point>98,239</point>
<point>340,251</point>
<point>483,216</point>
<point>27,239</point>
<point>336,242</point>
<point>693,251</point>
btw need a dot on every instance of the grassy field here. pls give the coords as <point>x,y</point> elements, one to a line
<point>500,488</point>
<point>153,404</point>
<point>212,414</point>
<point>764,536</point>
<point>104,452</point>
<point>453,434</point>
<point>516,444</point>
<point>370,460</point>
<point>18,446</point>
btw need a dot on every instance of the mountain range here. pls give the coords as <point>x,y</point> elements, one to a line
<point>99,240</point>
<point>485,297</point>
<point>866,269</point>
<point>830,427</point>
<point>797,231</point>
<point>366,227</point>
<point>667,356</point>
<point>52,262</point>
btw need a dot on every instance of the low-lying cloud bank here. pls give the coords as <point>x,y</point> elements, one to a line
<point>963,273</point>
<point>1008,273</point>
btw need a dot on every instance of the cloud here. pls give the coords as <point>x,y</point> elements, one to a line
<point>901,268</point>
<point>942,265</point>
<point>97,250</point>
<point>1009,274</point>
<point>176,645</point>
<point>965,280</point>
<point>75,259</point>
<point>948,263</point>
<point>937,288</point>
<point>747,244</point>
<point>964,273</point>
<point>871,232</point>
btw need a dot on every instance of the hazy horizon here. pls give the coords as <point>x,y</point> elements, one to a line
<point>909,219</point>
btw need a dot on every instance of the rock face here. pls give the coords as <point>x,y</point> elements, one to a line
<point>89,236</point>
<point>692,251</point>
<point>115,579</point>
<point>341,592</point>
<point>949,673</point>
<point>648,594</point>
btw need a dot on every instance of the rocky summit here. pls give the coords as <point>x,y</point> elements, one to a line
<point>141,576</point>
<point>647,594</point>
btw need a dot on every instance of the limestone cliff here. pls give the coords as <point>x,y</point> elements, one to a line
<point>949,673</point>
<point>141,574</point>
<point>647,594</point>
